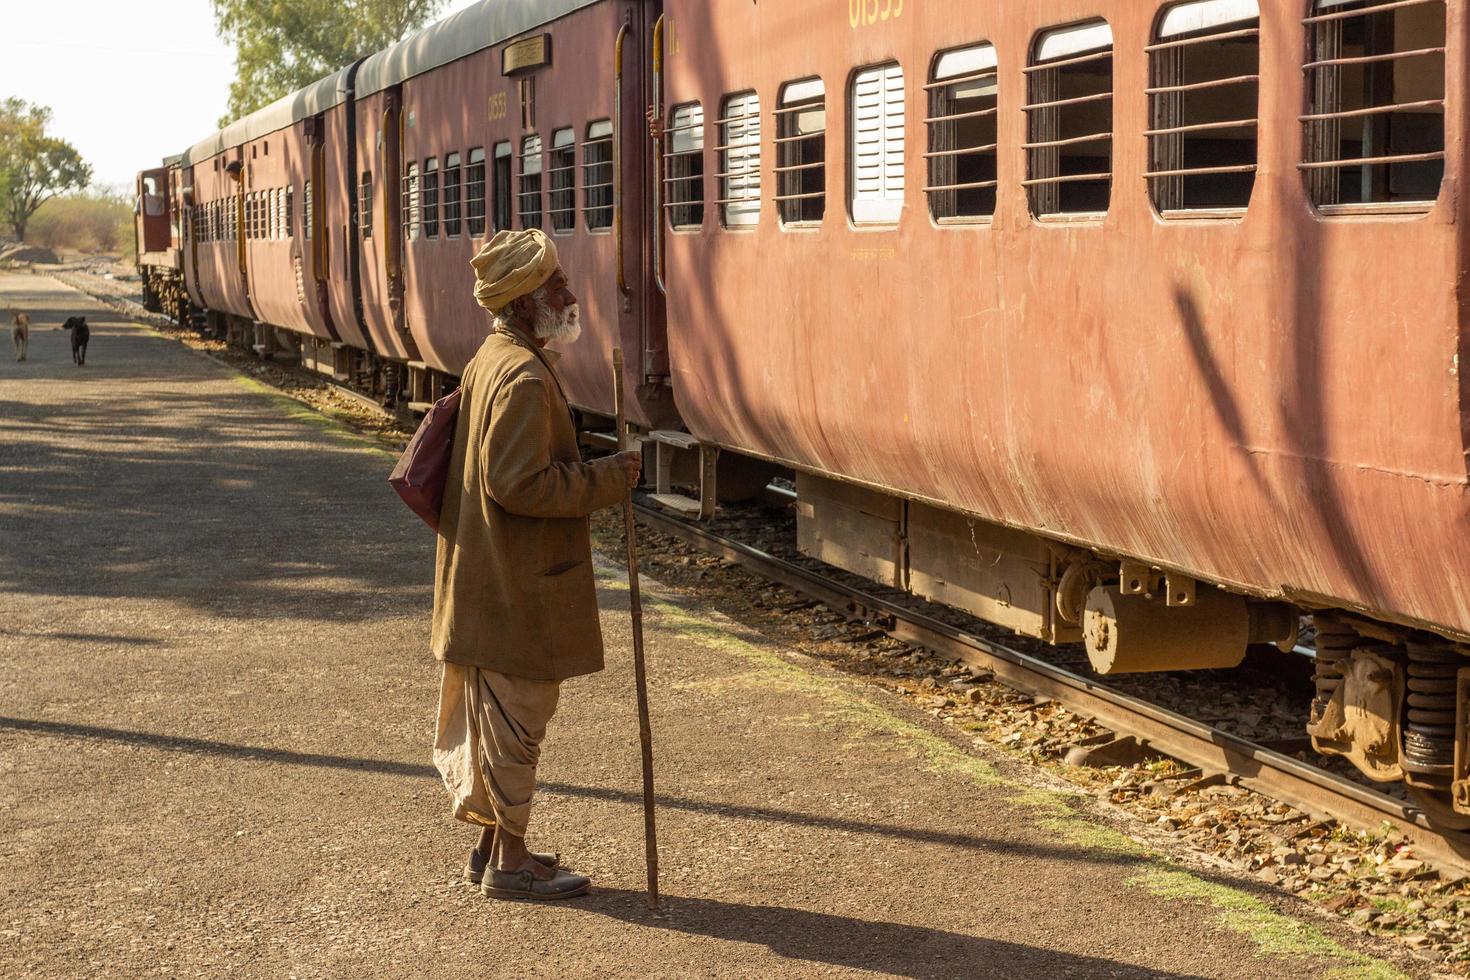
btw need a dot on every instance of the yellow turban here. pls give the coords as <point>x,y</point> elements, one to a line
<point>511,265</point>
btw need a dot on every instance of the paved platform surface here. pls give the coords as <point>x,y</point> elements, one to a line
<point>216,708</point>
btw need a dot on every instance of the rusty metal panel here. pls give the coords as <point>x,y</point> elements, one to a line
<point>998,574</point>
<point>1274,402</point>
<point>851,528</point>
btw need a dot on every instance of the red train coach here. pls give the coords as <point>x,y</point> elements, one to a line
<point>158,238</point>
<point>1108,318</point>
<point>1133,323</point>
<point>477,124</point>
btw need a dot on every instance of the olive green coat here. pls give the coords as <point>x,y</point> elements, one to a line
<point>513,586</point>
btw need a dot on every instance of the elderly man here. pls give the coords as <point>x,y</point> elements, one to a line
<point>515,611</point>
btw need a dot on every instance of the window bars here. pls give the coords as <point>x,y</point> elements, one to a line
<point>740,159</point>
<point>1204,78</point>
<point>684,166</point>
<point>877,149</point>
<point>597,175</point>
<point>962,134</point>
<point>429,198</point>
<point>801,152</point>
<point>1069,120</point>
<point>1374,128</point>
<point>410,199</point>
<point>528,199</point>
<point>451,195</point>
<point>474,193</point>
<point>365,205</point>
<point>500,201</point>
<point>561,175</point>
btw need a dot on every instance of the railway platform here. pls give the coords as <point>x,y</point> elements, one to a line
<point>216,709</point>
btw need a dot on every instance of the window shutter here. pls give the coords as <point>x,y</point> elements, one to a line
<point>878,144</point>
<point>743,159</point>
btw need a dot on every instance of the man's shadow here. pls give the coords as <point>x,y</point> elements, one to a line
<point>835,940</point>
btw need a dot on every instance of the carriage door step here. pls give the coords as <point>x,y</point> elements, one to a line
<point>679,459</point>
<point>420,387</point>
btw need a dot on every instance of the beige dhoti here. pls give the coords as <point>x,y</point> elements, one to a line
<point>489,741</point>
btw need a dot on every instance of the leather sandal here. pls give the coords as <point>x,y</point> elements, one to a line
<point>474,869</point>
<point>523,884</point>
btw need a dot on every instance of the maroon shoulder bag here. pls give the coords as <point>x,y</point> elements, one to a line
<point>423,469</point>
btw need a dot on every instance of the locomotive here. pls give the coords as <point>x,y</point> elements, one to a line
<point>1131,324</point>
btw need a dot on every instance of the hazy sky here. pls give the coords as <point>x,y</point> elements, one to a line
<point>130,81</point>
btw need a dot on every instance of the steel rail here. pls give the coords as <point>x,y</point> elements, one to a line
<point>1319,794</point>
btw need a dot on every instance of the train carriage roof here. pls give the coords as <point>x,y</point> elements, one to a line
<point>473,29</point>
<point>457,36</point>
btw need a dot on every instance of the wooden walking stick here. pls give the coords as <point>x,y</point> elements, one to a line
<point>645,733</point>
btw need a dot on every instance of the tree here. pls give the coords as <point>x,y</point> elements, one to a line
<point>34,167</point>
<point>285,45</point>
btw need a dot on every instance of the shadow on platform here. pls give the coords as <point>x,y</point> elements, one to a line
<point>891,948</point>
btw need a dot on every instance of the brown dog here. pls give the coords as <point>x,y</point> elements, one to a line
<point>20,334</point>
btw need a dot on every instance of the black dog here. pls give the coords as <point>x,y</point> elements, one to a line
<point>80,334</point>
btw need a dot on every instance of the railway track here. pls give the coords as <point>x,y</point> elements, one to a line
<point>1320,794</point>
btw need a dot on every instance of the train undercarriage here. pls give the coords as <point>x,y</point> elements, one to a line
<point>1391,699</point>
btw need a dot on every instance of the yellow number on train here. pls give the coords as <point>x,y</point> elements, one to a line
<point>866,13</point>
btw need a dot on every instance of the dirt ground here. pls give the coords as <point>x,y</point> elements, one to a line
<point>216,708</point>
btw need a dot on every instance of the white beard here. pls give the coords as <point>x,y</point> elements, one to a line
<point>561,328</point>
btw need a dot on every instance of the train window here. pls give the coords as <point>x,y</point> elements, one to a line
<point>252,213</point>
<point>429,198</point>
<point>597,176</point>
<point>561,173</point>
<point>1374,127</point>
<point>365,205</point>
<point>1069,120</point>
<point>801,152</point>
<point>684,166</point>
<point>287,225</point>
<point>501,216</point>
<point>962,134</point>
<point>474,193</point>
<point>410,198</point>
<point>876,103</point>
<point>276,210</point>
<point>1204,74</point>
<point>451,196</point>
<point>307,231</point>
<point>528,199</point>
<point>740,159</point>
